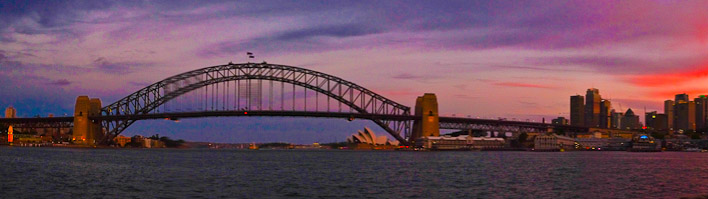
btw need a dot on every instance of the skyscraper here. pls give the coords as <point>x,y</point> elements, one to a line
<point>592,107</point>
<point>669,111</point>
<point>681,98</point>
<point>685,115</point>
<point>577,110</point>
<point>701,111</point>
<point>605,114</point>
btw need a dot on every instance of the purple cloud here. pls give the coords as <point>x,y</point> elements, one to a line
<point>61,82</point>
<point>106,66</point>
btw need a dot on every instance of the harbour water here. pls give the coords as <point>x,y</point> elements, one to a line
<point>203,173</point>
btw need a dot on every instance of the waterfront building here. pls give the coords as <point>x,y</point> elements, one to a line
<point>553,142</point>
<point>618,144</point>
<point>462,142</point>
<point>487,143</point>
<point>122,140</point>
<point>607,133</point>
<point>577,110</point>
<point>644,143</point>
<point>367,139</point>
<point>669,111</point>
<point>630,120</point>
<point>592,107</point>
<point>10,112</point>
<point>146,142</point>
<point>591,143</point>
<point>655,121</point>
<point>701,111</point>
<point>593,134</point>
<point>444,142</point>
<point>560,121</point>
<point>605,114</point>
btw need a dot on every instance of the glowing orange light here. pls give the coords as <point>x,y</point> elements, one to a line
<point>9,134</point>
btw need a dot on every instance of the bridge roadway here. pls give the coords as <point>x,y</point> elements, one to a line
<point>445,122</point>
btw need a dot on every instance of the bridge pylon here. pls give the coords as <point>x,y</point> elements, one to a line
<point>426,107</point>
<point>85,131</point>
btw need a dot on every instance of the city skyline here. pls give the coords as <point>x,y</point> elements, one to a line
<point>502,60</point>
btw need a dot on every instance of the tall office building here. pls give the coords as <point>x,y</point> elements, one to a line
<point>681,98</point>
<point>701,111</point>
<point>685,116</point>
<point>577,110</point>
<point>669,111</point>
<point>605,114</point>
<point>592,107</point>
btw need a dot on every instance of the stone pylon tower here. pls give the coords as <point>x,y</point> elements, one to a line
<point>86,131</point>
<point>426,107</point>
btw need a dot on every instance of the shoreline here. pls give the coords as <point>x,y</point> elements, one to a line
<point>322,149</point>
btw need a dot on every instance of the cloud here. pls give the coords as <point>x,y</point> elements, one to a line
<point>522,85</point>
<point>61,82</point>
<point>669,93</point>
<point>665,79</point>
<point>535,68</point>
<point>337,31</point>
<point>465,96</point>
<point>121,68</point>
<point>309,39</point>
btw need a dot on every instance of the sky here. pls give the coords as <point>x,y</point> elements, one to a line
<point>487,59</point>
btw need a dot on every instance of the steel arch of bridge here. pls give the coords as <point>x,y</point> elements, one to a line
<point>359,99</point>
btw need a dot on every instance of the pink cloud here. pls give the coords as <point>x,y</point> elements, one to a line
<point>665,79</point>
<point>523,85</point>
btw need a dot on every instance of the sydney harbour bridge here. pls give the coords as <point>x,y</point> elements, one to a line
<point>262,89</point>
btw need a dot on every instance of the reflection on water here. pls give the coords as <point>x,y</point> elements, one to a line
<point>194,173</point>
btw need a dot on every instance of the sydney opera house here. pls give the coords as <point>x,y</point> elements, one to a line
<point>367,139</point>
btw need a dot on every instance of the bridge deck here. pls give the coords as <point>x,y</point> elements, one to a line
<point>255,113</point>
<point>182,115</point>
